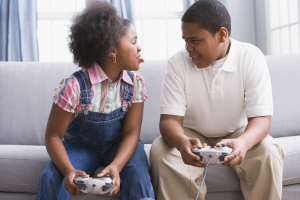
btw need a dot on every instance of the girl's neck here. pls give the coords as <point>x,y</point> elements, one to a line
<point>111,70</point>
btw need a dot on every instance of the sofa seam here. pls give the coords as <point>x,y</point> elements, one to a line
<point>23,159</point>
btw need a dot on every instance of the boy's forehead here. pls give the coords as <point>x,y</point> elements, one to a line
<point>192,30</point>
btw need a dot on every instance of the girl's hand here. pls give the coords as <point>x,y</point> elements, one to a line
<point>114,174</point>
<point>69,184</point>
<point>240,149</point>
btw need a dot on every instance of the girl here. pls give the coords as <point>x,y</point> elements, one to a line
<point>97,112</point>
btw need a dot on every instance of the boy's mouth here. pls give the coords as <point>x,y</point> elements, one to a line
<point>194,59</point>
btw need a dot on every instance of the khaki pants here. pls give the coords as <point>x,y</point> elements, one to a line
<point>260,173</point>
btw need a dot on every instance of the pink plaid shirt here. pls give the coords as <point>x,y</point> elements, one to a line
<point>105,95</point>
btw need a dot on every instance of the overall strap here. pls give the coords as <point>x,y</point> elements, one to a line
<point>85,85</point>
<point>128,93</point>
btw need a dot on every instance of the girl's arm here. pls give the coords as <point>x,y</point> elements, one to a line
<point>57,125</point>
<point>130,137</point>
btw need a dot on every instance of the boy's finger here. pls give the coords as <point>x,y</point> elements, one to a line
<point>231,156</point>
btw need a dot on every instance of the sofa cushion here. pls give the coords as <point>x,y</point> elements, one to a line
<point>26,98</point>
<point>291,164</point>
<point>28,87</point>
<point>284,72</point>
<point>20,166</point>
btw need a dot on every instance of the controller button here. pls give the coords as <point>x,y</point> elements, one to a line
<point>222,158</point>
<point>224,153</point>
<point>199,147</point>
<point>80,181</point>
<point>105,188</point>
<point>201,158</point>
<point>82,186</point>
<point>223,145</point>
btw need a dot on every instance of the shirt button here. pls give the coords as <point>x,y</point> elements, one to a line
<point>111,88</point>
<point>107,106</point>
<point>216,83</point>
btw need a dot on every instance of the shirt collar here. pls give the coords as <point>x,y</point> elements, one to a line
<point>97,75</point>
<point>231,62</point>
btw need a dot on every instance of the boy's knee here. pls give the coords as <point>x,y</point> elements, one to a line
<point>270,150</point>
<point>158,150</point>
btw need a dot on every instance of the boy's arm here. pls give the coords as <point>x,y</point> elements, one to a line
<point>172,131</point>
<point>256,130</point>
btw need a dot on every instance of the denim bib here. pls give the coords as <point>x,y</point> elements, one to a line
<point>96,129</point>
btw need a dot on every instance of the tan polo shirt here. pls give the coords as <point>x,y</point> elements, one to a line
<point>217,106</point>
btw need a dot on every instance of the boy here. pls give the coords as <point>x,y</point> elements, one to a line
<point>216,91</point>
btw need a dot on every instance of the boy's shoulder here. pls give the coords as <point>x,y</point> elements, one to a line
<point>246,49</point>
<point>182,54</point>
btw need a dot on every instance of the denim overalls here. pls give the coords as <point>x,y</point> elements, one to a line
<point>91,141</point>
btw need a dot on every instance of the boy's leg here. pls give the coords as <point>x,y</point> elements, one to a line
<point>135,178</point>
<point>171,178</point>
<point>51,181</point>
<point>260,172</point>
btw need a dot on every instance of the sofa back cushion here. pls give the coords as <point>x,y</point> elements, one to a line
<point>26,99</point>
<point>285,73</point>
<point>27,89</point>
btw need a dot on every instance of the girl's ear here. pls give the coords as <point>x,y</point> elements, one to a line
<point>113,54</point>
<point>223,34</point>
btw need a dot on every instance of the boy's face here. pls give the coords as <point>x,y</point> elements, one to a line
<point>203,48</point>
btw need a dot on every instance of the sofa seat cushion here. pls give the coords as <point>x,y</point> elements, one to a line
<point>20,166</point>
<point>291,172</point>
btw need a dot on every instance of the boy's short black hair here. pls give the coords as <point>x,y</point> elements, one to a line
<point>208,14</point>
<point>95,33</point>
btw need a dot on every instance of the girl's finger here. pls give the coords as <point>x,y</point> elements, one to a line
<point>103,172</point>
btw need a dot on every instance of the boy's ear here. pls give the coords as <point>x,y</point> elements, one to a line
<point>223,34</point>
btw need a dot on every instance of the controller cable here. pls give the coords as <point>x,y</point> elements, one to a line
<point>94,185</point>
<point>209,157</point>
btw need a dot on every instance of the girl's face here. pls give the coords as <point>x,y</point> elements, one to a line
<point>128,51</point>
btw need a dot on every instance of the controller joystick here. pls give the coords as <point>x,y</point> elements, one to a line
<point>217,154</point>
<point>99,185</point>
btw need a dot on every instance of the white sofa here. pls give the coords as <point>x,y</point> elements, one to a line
<point>26,90</point>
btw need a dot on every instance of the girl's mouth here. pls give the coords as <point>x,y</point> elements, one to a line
<point>140,59</point>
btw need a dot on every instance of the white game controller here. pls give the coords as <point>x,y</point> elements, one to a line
<point>216,154</point>
<point>100,185</point>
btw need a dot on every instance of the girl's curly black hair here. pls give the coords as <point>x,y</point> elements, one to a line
<point>95,33</point>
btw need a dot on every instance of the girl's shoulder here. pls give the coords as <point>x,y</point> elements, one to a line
<point>139,88</point>
<point>137,78</point>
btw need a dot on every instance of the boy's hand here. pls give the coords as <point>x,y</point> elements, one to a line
<point>240,149</point>
<point>114,174</point>
<point>69,184</point>
<point>185,148</point>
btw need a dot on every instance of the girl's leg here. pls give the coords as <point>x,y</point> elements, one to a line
<point>135,179</point>
<point>51,181</point>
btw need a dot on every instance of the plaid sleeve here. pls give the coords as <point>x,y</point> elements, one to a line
<point>66,95</point>
<point>139,89</point>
